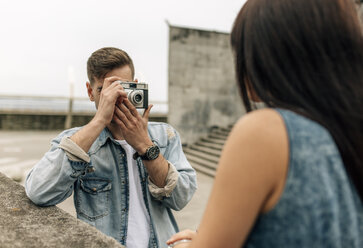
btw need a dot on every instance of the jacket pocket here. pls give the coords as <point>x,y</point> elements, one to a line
<point>93,197</point>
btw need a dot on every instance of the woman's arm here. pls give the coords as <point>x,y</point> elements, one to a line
<point>250,179</point>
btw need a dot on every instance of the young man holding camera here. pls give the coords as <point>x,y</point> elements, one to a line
<point>126,173</point>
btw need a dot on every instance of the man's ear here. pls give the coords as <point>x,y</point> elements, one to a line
<point>90,91</point>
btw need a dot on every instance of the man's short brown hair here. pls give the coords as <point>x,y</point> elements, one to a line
<point>105,60</point>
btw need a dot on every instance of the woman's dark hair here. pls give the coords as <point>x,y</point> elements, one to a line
<point>306,56</point>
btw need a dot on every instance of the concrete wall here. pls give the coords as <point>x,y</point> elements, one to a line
<point>23,224</point>
<point>202,88</point>
<point>40,121</point>
<point>47,121</point>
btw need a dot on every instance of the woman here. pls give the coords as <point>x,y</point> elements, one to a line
<point>291,175</point>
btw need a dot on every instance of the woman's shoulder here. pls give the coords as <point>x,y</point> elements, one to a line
<point>261,135</point>
<point>265,123</point>
<point>255,157</point>
<point>263,131</point>
<point>264,135</point>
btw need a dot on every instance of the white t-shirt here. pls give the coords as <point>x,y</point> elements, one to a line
<point>138,227</point>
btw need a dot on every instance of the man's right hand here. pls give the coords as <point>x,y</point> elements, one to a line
<point>111,93</point>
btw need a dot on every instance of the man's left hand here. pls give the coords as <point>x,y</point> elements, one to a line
<point>186,235</point>
<point>133,126</point>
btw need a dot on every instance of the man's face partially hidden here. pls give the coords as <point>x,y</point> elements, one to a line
<point>94,91</point>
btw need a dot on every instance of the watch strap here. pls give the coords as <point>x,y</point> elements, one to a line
<point>136,155</point>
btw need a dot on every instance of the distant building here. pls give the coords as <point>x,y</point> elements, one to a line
<point>202,88</point>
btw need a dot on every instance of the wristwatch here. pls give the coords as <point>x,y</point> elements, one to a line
<point>152,152</point>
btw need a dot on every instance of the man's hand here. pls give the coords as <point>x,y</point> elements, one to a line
<point>133,126</point>
<point>134,131</point>
<point>177,239</point>
<point>111,94</point>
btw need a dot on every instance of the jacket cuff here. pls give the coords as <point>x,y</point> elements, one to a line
<point>171,181</point>
<point>73,151</point>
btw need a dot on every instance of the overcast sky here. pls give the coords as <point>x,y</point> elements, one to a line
<point>45,44</point>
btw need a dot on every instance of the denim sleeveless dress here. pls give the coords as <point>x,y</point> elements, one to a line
<point>320,206</point>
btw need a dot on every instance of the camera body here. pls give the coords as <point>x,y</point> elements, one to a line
<point>137,93</point>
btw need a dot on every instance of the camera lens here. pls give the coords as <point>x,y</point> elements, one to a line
<point>138,98</point>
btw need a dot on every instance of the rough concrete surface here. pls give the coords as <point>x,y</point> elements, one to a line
<point>23,224</point>
<point>202,88</point>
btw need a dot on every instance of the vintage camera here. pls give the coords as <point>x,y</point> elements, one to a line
<point>137,93</point>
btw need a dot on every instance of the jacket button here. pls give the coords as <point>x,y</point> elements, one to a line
<point>94,189</point>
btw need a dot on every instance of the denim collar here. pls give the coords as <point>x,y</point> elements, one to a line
<point>104,136</point>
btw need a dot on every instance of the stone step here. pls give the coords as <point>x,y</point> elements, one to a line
<point>201,155</point>
<point>204,154</point>
<point>217,136</point>
<point>224,129</point>
<point>221,133</point>
<point>201,162</point>
<point>214,146</point>
<point>207,150</point>
<point>213,141</point>
<point>202,169</point>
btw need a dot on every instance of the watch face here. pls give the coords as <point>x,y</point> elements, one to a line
<point>153,152</point>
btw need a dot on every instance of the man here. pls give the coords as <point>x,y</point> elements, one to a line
<point>127,173</point>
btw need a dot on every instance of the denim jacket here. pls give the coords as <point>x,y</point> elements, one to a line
<point>101,193</point>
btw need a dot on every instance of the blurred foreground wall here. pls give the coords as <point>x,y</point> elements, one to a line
<point>202,88</point>
<point>23,224</point>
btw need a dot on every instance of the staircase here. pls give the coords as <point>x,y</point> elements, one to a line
<point>204,154</point>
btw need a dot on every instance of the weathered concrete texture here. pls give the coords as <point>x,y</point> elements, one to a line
<point>47,121</point>
<point>202,88</point>
<point>39,121</point>
<point>23,224</point>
